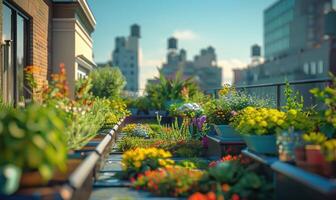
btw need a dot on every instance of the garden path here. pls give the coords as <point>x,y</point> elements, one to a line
<point>108,187</point>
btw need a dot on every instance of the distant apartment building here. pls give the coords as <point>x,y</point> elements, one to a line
<point>126,57</point>
<point>203,67</point>
<point>43,33</point>
<point>295,46</point>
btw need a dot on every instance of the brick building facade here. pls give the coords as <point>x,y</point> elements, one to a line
<point>33,38</point>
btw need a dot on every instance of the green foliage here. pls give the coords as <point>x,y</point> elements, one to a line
<point>167,91</point>
<point>329,150</point>
<point>5,106</point>
<point>315,138</point>
<point>232,178</point>
<point>180,148</point>
<point>293,100</point>
<point>328,97</point>
<point>108,82</point>
<point>221,111</point>
<point>33,139</point>
<point>86,122</point>
<point>115,110</point>
<point>138,130</point>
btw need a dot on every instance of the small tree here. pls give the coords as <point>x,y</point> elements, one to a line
<point>107,82</point>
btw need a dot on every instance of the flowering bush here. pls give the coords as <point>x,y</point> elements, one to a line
<point>259,121</point>
<point>138,130</point>
<point>117,109</point>
<point>139,160</point>
<point>169,181</point>
<point>221,111</point>
<point>179,148</point>
<point>296,120</point>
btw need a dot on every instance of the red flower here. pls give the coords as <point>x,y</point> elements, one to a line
<point>235,197</point>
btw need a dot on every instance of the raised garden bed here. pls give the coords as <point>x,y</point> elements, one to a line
<point>77,182</point>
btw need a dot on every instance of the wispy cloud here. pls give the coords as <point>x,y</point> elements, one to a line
<point>185,35</point>
<point>228,65</point>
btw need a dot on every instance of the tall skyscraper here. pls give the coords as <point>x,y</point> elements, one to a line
<point>126,57</point>
<point>294,43</point>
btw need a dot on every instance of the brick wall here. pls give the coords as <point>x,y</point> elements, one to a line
<point>39,36</point>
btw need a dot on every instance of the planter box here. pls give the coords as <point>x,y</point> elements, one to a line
<point>219,147</point>
<point>226,131</point>
<point>265,144</point>
<point>77,181</point>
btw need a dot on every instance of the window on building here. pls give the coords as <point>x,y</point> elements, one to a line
<point>14,59</point>
<point>306,68</point>
<point>313,68</point>
<point>320,67</point>
<point>132,72</point>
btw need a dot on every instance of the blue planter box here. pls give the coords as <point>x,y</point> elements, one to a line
<point>226,131</point>
<point>265,144</point>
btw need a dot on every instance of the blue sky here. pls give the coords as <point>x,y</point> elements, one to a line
<point>230,26</point>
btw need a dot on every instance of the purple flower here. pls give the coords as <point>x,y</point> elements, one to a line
<point>200,122</point>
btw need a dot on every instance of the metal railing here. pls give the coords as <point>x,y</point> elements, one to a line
<point>279,86</point>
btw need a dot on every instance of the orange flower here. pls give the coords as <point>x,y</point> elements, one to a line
<point>198,196</point>
<point>225,187</point>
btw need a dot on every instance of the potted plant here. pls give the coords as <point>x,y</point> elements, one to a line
<point>329,152</point>
<point>32,139</point>
<point>258,127</point>
<point>297,122</point>
<point>289,138</point>
<point>313,141</point>
<point>221,111</point>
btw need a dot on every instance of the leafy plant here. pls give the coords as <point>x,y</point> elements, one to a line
<point>108,82</point>
<point>33,139</point>
<point>329,149</point>
<point>222,110</point>
<point>138,130</point>
<point>328,97</point>
<point>317,138</point>
<point>258,121</point>
<point>166,91</point>
<point>232,180</point>
<point>294,101</point>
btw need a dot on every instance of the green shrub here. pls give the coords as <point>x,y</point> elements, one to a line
<point>33,139</point>
<point>107,82</point>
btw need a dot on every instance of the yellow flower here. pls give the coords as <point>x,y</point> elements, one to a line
<point>137,164</point>
<point>263,124</point>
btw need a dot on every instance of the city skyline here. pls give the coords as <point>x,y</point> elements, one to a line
<point>195,25</point>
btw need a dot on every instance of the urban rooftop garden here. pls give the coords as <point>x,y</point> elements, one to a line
<point>174,141</point>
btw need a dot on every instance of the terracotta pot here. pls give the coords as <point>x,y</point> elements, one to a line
<point>314,154</point>
<point>300,153</point>
<point>32,179</point>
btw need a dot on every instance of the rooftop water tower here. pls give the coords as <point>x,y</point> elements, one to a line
<point>255,55</point>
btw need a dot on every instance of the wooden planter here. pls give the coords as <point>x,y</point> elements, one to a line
<point>76,182</point>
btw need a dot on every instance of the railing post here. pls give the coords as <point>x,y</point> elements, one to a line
<point>278,96</point>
